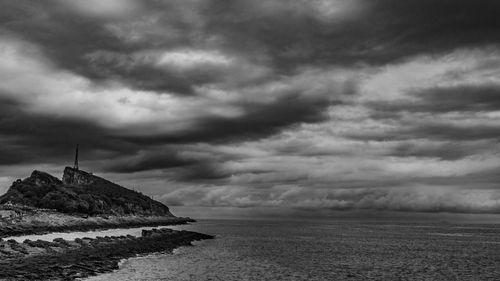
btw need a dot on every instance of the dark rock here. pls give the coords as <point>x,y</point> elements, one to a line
<point>61,242</point>
<point>85,260</point>
<point>73,176</point>
<point>43,179</point>
<point>39,244</point>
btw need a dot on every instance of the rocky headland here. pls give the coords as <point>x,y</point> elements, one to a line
<point>83,193</point>
<point>80,201</point>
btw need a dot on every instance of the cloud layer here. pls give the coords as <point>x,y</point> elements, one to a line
<point>385,105</point>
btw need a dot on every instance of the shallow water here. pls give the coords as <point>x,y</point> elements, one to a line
<point>325,250</point>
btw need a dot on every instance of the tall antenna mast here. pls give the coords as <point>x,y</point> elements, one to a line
<point>76,158</point>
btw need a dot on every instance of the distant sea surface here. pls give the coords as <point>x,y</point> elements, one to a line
<point>325,250</point>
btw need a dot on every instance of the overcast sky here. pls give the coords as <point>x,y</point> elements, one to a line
<point>302,104</point>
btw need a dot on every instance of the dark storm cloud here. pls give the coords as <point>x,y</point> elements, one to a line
<point>259,121</point>
<point>382,31</point>
<point>261,103</point>
<point>150,160</point>
<point>256,122</point>
<point>466,102</point>
<point>143,76</point>
<point>38,138</point>
<point>452,132</point>
<point>472,98</point>
<point>70,39</point>
<point>444,151</point>
<point>286,34</point>
<point>432,131</point>
<point>203,172</point>
<point>63,35</point>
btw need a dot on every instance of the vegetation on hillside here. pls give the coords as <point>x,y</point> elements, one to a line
<point>42,190</point>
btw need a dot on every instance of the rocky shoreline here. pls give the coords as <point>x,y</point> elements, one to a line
<point>25,220</point>
<point>80,202</point>
<point>67,260</point>
<point>89,224</point>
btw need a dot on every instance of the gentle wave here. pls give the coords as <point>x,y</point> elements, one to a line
<point>317,251</point>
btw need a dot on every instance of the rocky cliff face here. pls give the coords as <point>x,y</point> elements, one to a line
<point>77,177</point>
<point>81,192</point>
<point>42,179</point>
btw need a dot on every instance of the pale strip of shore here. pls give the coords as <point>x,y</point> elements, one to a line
<point>93,234</point>
<point>68,259</point>
<point>35,221</point>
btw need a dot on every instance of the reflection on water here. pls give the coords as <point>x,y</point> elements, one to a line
<point>325,250</point>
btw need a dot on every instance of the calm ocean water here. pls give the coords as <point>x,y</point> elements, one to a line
<point>326,250</point>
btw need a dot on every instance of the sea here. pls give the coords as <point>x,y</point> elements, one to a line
<point>325,249</point>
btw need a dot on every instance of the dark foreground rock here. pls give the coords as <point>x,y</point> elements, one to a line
<point>68,260</point>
